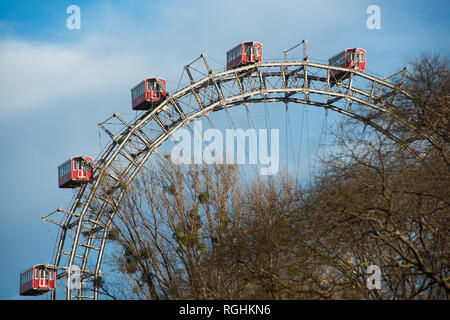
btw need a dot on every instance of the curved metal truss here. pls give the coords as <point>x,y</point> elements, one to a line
<point>85,226</point>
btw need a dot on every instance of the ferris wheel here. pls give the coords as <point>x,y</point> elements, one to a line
<point>342,85</point>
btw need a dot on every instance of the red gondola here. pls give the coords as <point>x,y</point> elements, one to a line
<point>244,53</point>
<point>74,172</point>
<point>37,280</point>
<point>148,94</point>
<point>352,58</point>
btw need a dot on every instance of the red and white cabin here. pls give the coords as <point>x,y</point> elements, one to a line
<point>352,58</point>
<point>74,172</point>
<point>148,94</point>
<point>37,280</point>
<point>244,53</point>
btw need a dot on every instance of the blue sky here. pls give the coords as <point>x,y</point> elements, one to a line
<point>56,84</point>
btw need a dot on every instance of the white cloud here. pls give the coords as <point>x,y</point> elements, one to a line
<point>35,75</point>
<point>121,47</point>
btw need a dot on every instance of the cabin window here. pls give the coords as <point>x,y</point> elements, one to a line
<point>86,166</point>
<point>248,49</point>
<point>155,87</point>
<point>236,53</point>
<point>136,92</point>
<point>81,165</point>
<point>361,55</point>
<point>64,169</point>
<point>339,60</point>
